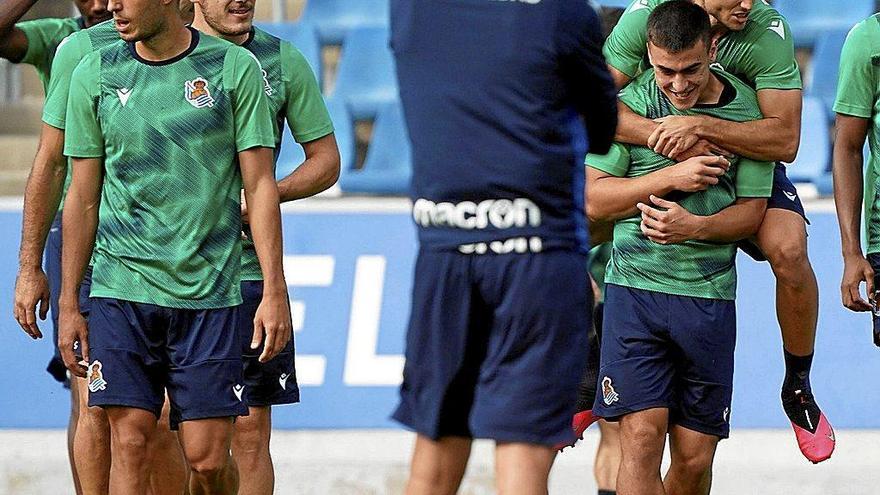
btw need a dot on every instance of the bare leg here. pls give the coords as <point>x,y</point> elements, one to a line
<point>168,469</point>
<point>250,449</point>
<point>523,469</point>
<point>642,439</point>
<point>91,443</point>
<point>130,431</point>
<point>206,445</point>
<point>607,462</point>
<point>691,470</point>
<point>783,240</point>
<point>71,435</point>
<point>438,466</point>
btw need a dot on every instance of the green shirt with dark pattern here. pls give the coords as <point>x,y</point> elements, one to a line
<point>858,95</point>
<point>294,96</point>
<point>169,230</point>
<point>692,268</point>
<point>762,53</point>
<point>44,36</point>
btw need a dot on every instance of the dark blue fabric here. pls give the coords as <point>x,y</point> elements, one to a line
<point>143,349</point>
<point>52,264</point>
<point>666,351</point>
<point>271,383</point>
<point>490,90</point>
<point>496,345</point>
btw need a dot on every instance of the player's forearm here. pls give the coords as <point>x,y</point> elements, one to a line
<point>734,223</point>
<point>264,216</point>
<point>316,174</point>
<point>633,128</point>
<point>42,195</point>
<point>79,225</point>
<point>768,139</point>
<point>612,198</point>
<point>848,187</point>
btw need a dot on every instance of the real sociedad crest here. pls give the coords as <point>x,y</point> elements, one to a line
<point>197,93</point>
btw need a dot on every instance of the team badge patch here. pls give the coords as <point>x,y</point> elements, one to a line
<point>609,396</point>
<point>197,93</point>
<point>96,377</point>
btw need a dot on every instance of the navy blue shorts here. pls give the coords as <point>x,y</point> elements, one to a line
<point>52,264</point>
<point>783,197</point>
<point>666,351</point>
<point>140,350</point>
<point>271,383</point>
<point>496,346</point>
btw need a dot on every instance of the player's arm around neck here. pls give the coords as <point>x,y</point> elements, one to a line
<point>78,227</point>
<point>776,137</point>
<point>317,173</point>
<point>13,42</point>
<point>261,193</point>
<point>41,197</point>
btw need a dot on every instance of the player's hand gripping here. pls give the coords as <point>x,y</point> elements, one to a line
<point>272,321</point>
<point>674,135</point>
<point>697,174</point>
<point>670,225</point>
<point>856,270</point>
<point>72,327</point>
<point>31,288</point>
<point>702,148</point>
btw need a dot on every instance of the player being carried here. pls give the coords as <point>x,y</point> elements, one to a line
<point>294,96</point>
<point>755,44</point>
<point>669,329</point>
<point>166,166</point>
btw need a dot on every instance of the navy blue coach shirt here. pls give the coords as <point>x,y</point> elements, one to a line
<point>489,90</point>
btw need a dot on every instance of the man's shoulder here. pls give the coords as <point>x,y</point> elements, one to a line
<point>763,18</point>
<point>867,30</point>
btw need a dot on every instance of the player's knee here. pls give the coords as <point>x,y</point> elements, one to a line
<point>249,439</point>
<point>131,444</point>
<point>693,465</point>
<point>643,440</point>
<point>94,420</point>
<point>209,467</point>
<point>789,260</point>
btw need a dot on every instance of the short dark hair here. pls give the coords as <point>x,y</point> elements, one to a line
<point>678,25</point>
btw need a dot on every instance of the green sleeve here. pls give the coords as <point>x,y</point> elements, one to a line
<point>615,162</point>
<point>83,137</point>
<point>250,109</point>
<point>771,63</point>
<point>754,179</point>
<point>626,46</point>
<point>44,36</point>
<point>307,114</point>
<point>68,55</point>
<point>634,95</point>
<point>856,82</point>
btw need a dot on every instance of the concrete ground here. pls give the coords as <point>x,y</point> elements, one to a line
<point>355,462</point>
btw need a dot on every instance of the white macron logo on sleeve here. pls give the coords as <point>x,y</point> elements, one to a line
<point>777,27</point>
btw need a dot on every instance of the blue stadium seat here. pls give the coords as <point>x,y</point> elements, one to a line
<point>614,3</point>
<point>810,18</point>
<point>824,68</point>
<point>335,18</point>
<point>814,157</point>
<point>366,80</point>
<point>303,36</point>
<point>292,154</point>
<point>388,166</point>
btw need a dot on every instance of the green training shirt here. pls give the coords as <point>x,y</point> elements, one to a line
<point>67,56</point>
<point>169,229</point>
<point>692,268</point>
<point>294,96</point>
<point>44,36</point>
<point>858,95</point>
<point>762,54</point>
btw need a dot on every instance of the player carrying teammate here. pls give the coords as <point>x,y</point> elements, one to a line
<point>156,125</point>
<point>294,97</point>
<point>756,45</point>
<point>670,321</point>
<point>858,94</point>
<point>497,334</point>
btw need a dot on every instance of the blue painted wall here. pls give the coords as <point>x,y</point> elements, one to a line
<point>350,277</point>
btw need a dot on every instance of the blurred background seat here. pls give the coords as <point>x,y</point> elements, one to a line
<point>388,165</point>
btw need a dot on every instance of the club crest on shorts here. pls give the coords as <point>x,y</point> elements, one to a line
<point>96,377</point>
<point>609,396</point>
<point>198,94</point>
